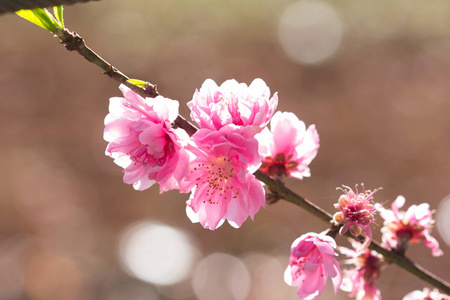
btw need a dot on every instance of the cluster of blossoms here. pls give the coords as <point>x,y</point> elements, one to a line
<point>216,165</point>
<point>310,260</point>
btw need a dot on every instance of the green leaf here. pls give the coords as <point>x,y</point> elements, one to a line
<point>138,82</point>
<point>45,15</point>
<point>40,17</point>
<point>58,10</point>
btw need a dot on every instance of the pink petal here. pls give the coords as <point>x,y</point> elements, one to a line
<point>287,129</point>
<point>397,204</point>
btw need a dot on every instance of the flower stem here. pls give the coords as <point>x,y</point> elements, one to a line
<point>74,42</point>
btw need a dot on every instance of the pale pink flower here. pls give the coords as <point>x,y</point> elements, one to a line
<point>142,141</point>
<point>288,148</point>
<point>356,212</point>
<point>426,294</point>
<point>233,103</point>
<point>360,280</point>
<point>220,177</point>
<point>403,228</point>
<point>311,262</point>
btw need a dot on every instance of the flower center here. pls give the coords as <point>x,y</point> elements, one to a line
<point>301,261</point>
<point>279,165</point>
<point>357,211</point>
<point>370,264</point>
<point>145,155</point>
<point>233,108</point>
<point>216,179</point>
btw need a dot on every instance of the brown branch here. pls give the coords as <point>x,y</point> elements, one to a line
<point>74,42</point>
<point>185,124</point>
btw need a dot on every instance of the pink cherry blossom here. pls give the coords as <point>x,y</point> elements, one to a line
<point>360,280</point>
<point>220,176</point>
<point>426,294</point>
<point>356,212</point>
<point>311,262</point>
<point>288,149</point>
<point>142,141</point>
<point>235,103</point>
<point>403,228</point>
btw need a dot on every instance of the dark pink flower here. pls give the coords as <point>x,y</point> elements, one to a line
<point>426,294</point>
<point>142,141</point>
<point>403,228</point>
<point>235,103</point>
<point>360,280</point>
<point>288,149</point>
<point>311,262</point>
<point>220,177</point>
<point>356,212</point>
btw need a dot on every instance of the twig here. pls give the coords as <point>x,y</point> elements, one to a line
<point>74,42</point>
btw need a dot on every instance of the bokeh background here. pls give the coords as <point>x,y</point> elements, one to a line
<point>373,76</point>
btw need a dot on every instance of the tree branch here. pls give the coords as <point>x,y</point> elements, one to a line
<point>74,42</point>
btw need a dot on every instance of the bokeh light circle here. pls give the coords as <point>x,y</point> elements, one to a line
<point>267,276</point>
<point>310,31</point>
<point>221,276</point>
<point>443,220</point>
<point>157,253</point>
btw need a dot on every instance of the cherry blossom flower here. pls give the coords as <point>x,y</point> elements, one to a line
<point>360,280</point>
<point>311,262</point>
<point>426,294</point>
<point>288,148</point>
<point>142,141</point>
<point>404,228</point>
<point>220,177</point>
<point>235,103</point>
<point>356,212</point>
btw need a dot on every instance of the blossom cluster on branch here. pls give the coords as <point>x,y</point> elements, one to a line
<point>216,165</point>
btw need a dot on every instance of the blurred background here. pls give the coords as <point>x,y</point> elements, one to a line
<point>373,76</point>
